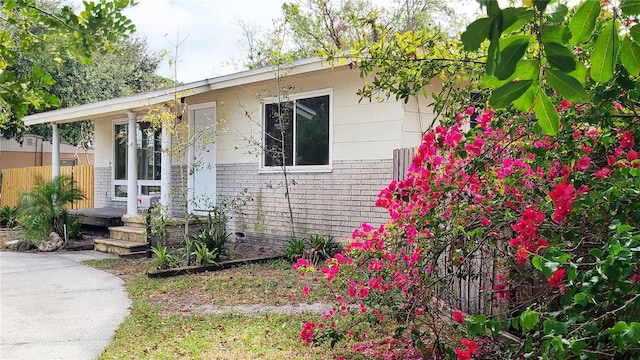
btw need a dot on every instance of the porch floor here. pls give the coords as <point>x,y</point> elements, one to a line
<point>105,217</point>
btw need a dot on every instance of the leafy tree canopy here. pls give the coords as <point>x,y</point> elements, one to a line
<point>27,28</point>
<point>330,28</point>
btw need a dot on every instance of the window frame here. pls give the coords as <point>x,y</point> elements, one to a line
<point>293,98</point>
<point>124,182</point>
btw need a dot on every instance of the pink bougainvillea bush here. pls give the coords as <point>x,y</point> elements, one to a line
<point>558,213</point>
<point>528,223</point>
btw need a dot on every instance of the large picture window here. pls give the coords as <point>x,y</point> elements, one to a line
<point>297,132</point>
<point>149,157</point>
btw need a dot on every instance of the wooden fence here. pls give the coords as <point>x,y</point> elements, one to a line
<point>470,287</point>
<point>402,159</point>
<point>18,180</point>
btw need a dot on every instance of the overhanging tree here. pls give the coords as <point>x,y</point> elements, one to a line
<point>27,27</point>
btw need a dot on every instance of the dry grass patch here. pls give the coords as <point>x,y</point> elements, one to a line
<point>203,315</point>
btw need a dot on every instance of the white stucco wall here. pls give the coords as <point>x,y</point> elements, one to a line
<point>361,131</point>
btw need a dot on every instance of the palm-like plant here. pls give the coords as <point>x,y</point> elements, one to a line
<point>43,209</point>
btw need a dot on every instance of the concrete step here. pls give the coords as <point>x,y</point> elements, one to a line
<point>135,221</point>
<point>119,247</point>
<point>128,233</point>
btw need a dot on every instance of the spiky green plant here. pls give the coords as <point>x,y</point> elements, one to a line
<point>8,216</point>
<point>43,209</point>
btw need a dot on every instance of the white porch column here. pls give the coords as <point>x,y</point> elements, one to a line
<point>55,151</point>
<point>132,165</point>
<point>165,166</point>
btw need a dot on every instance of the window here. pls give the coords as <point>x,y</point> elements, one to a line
<point>297,132</point>
<point>476,99</point>
<point>149,157</point>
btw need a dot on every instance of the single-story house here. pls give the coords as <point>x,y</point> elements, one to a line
<point>339,148</point>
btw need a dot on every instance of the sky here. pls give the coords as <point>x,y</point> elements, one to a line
<point>207,31</point>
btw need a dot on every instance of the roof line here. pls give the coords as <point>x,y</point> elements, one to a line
<point>141,101</point>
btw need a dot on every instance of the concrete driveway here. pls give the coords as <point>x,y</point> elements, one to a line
<point>52,307</point>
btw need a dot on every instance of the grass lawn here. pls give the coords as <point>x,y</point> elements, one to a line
<point>239,313</point>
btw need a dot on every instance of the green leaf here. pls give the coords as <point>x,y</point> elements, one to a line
<point>584,21</point>
<point>507,93</point>
<point>620,326</point>
<point>603,56</point>
<point>475,34</point>
<point>560,57</point>
<point>566,86</point>
<point>546,113</point>
<point>578,346</point>
<point>635,33</point>
<point>525,102</point>
<point>510,56</point>
<point>529,320</point>
<point>623,228</point>
<point>555,34</point>
<point>525,70</point>
<point>630,7</point>
<point>630,56</point>
<point>537,262</point>
<point>514,18</point>
<point>555,327</point>
<point>583,299</point>
<point>541,5</point>
<point>556,12</point>
<point>580,73</point>
<point>493,54</point>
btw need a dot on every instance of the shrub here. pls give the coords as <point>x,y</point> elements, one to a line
<point>163,257</point>
<point>321,248</point>
<point>43,209</point>
<point>214,237</point>
<point>8,216</point>
<point>294,248</point>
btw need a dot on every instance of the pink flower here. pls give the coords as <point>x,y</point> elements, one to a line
<point>626,141</point>
<point>305,291</point>
<point>301,262</point>
<point>557,277</point>
<point>458,316</point>
<point>470,344</point>
<point>463,354</point>
<point>563,196</point>
<point>307,332</point>
<point>603,173</point>
<point>583,163</point>
<point>485,221</point>
<point>470,110</point>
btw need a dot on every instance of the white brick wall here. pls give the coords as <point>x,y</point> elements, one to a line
<point>332,203</point>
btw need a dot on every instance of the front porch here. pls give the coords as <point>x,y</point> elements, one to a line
<point>101,217</point>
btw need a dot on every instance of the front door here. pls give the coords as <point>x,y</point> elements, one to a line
<point>202,163</point>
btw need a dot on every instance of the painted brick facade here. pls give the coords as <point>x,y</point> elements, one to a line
<point>332,203</point>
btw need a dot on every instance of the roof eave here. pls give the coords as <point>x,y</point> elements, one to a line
<point>113,106</point>
<point>143,101</point>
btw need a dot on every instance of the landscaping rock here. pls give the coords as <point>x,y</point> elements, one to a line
<point>20,245</point>
<point>11,245</point>
<point>51,243</point>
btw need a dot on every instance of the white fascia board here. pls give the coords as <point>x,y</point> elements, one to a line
<point>270,72</point>
<point>114,106</point>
